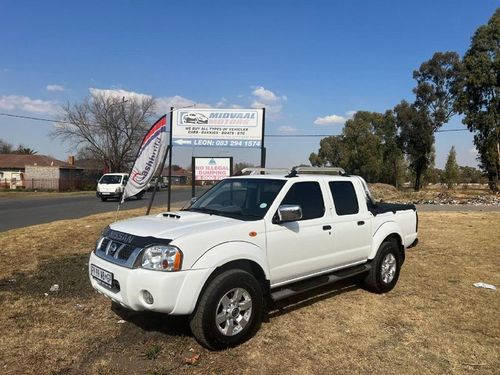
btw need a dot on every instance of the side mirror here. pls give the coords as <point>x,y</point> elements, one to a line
<point>289,212</point>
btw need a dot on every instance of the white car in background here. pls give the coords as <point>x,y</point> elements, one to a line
<point>111,185</point>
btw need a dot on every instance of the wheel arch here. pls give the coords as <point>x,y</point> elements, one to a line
<point>237,255</point>
<point>389,231</point>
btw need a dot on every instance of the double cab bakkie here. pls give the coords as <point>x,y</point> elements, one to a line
<point>250,240</point>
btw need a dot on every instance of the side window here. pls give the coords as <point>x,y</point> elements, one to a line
<point>309,197</point>
<point>344,197</point>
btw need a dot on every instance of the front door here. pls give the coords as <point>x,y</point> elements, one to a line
<point>299,248</point>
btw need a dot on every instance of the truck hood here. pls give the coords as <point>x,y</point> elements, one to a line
<point>172,225</point>
<point>196,233</point>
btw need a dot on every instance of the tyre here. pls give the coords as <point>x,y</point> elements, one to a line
<point>386,266</point>
<point>103,199</point>
<point>229,311</point>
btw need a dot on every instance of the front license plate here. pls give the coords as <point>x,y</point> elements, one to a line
<point>101,275</point>
<point>106,193</point>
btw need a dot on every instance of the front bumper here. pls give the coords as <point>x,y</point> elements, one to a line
<point>174,293</point>
<point>108,195</point>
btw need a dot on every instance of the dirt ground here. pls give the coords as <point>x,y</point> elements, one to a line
<point>437,194</point>
<point>434,321</point>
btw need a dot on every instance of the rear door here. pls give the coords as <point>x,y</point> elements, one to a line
<point>299,248</point>
<point>351,223</point>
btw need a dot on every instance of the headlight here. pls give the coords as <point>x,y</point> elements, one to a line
<point>162,258</point>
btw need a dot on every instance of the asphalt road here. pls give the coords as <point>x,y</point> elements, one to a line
<point>22,212</point>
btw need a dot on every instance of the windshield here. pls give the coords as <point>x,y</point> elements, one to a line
<point>244,199</point>
<point>110,179</point>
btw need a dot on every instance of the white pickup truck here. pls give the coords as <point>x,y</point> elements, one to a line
<point>250,240</point>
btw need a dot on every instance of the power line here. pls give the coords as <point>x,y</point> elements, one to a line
<point>267,135</point>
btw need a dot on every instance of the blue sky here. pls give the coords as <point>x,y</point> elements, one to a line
<point>311,63</point>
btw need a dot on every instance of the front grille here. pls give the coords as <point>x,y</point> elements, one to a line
<point>126,252</point>
<point>118,252</point>
<point>124,249</point>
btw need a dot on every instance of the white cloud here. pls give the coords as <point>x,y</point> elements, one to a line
<point>263,98</point>
<point>24,103</point>
<point>334,119</point>
<point>221,103</point>
<point>287,129</point>
<point>264,95</point>
<point>118,93</point>
<point>54,88</point>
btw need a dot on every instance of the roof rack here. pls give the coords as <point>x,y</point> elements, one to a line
<point>320,170</point>
<point>257,170</point>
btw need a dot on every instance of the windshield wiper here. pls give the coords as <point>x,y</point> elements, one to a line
<point>205,210</point>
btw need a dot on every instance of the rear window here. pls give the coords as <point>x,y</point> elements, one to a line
<point>344,197</point>
<point>309,197</point>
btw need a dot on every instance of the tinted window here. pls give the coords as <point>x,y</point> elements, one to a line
<point>344,197</point>
<point>309,197</point>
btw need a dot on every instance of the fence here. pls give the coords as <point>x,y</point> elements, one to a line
<point>53,184</point>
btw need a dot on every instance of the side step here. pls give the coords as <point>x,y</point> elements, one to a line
<point>315,282</point>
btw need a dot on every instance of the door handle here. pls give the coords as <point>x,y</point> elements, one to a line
<point>361,222</point>
<point>327,227</point>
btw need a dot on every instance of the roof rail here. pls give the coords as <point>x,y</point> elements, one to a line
<point>257,170</point>
<point>320,170</point>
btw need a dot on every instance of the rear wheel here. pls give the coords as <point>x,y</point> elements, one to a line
<point>229,311</point>
<point>386,266</point>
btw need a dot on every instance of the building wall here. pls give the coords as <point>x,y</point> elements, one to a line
<point>45,178</point>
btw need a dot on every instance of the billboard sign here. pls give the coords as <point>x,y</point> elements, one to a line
<point>212,169</point>
<point>217,127</point>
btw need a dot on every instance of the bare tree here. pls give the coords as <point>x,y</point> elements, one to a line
<point>106,128</point>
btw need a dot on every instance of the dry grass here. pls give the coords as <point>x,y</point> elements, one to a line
<point>436,192</point>
<point>435,321</point>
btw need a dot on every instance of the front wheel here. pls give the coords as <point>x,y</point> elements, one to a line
<point>386,266</point>
<point>229,311</point>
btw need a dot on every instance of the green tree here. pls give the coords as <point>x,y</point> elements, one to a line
<point>22,149</point>
<point>470,175</point>
<point>451,171</point>
<point>392,170</point>
<point>416,138</point>
<point>479,92</point>
<point>435,93</point>
<point>367,147</point>
<point>5,147</point>
<point>331,153</point>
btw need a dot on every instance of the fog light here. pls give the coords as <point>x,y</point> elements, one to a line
<point>148,298</point>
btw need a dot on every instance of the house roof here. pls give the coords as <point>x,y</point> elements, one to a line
<point>21,161</point>
<point>90,164</point>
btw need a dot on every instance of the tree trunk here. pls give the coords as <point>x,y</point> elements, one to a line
<point>493,181</point>
<point>418,175</point>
